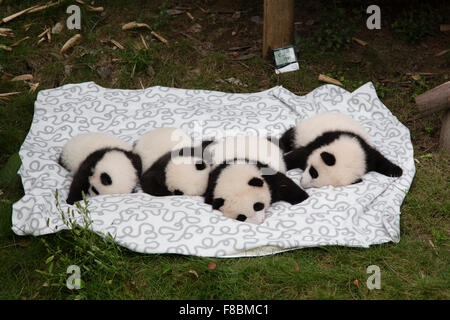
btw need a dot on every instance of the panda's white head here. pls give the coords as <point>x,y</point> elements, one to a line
<point>244,190</point>
<point>179,172</point>
<point>241,193</point>
<point>187,176</point>
<point>106,171</point>
<point>114,173</point>
<point>340,163</point>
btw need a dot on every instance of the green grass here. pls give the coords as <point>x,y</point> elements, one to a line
<point>35,267</point>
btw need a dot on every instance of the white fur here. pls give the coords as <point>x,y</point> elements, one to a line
<point>155,143</point>
<point>78,148</point>
<point>253,148</point>
<point>350,164</point>
<point>232,185</point>
<point>311,128</point>
<point>122,172</point>
<point>182,174</point>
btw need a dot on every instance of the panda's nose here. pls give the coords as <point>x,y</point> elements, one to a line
<point>241,217</point>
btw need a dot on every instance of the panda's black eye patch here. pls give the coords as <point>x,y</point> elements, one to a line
<point>105,179</point>
<point>217,203</point>
<point>256,182</point>
<point>200,165</point>
<point>313,172</point>
<point>328,158</point>
<point>241,217</point>
<point>94,190</point>
<point>258,206</point>
<point>178,192</point>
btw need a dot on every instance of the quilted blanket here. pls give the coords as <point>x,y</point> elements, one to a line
<point>358,215</point>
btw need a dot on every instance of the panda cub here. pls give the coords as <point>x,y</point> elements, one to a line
<point>171,164</point>
<point>333,149</point>
<point>248,175</point>
<point>101,163</point>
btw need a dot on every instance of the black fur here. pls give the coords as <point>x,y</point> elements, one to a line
<point>328,158</point>
<point>284,189</point>
<point>258,206</point>
<point>375,161</point>
<point>313,172</point>
<point>241,217</point>
<point>62,164</point>
<point>105,179</point>
<point>153,181</point>
<point>287,140</point>
<point>200,165</point>
<point>217,203</point>
<point>256,182</point>
<point>80,182</point>
<point>281,187</point>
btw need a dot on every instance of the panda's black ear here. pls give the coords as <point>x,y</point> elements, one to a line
<point>206,143</point>
<point>284,189</point>
<point>286,142</point>
<point>377,162</point>
<point>296,158</point>
<point>154,182</point>
<point>217,203</point>
<point>328,158</point>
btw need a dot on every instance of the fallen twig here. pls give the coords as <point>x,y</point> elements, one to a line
<point>190,16</point>
<point>33,87</point>
<point>143,41</point>
<point>327,79</point>
<point>70,43</point>
<point>45,6</point>
<point>23,77</point>
<point>359,41</point>
<point>7,94</point>
<point>134,25</point>
<point>17,14</point>
<point>441,53</point>
<point>6,32</point>
<point>15,44</point>
<point>117,44</point>
<point>160,38</point>
<point>43,33</point>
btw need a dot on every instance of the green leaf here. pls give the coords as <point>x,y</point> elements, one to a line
<point>49,259</point>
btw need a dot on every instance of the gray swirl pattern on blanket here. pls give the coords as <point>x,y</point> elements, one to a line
<point>358,215</point>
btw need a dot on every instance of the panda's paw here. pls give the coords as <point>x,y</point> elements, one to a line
<point>396,171</point>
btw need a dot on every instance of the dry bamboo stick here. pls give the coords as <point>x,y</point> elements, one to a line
<point>17,14</point>
<point>23,77</point>
<point>159,37</point>
<point>15,44</point>
<point>327,79</point>
<point>2,95</point>
<point>117,44</point>
<point>70,43</point>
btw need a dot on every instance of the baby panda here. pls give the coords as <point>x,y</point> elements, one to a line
<point>171,164</point>
<point>248,175</point>
<point>333,149</point>
<point>101,163</point>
